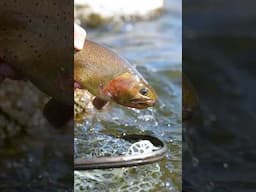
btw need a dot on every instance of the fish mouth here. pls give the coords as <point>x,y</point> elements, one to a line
<point>141,104</point>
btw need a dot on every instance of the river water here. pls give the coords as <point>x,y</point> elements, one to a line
<point>154,46</point>
<point>218,49</point>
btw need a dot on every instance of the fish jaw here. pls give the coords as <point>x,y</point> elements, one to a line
<point>141,104</point>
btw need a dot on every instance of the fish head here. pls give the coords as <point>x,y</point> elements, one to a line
<point>131,90</point>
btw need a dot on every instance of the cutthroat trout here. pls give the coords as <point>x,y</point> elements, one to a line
<point>34,42</point>
<point>111,78</point>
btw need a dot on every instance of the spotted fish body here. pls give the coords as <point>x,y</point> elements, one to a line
<point>111,78</point>
<point>35,39</point>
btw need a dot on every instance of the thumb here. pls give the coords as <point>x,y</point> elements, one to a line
<point>79,37</point>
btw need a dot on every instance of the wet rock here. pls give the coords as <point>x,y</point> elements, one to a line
<point>83,104</point>
<point>20,108</point>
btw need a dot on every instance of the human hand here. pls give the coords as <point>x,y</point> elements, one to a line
<point>79,37</point>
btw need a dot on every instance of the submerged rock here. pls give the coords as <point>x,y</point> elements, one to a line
<point>82,104</point>
<point>21,109</point>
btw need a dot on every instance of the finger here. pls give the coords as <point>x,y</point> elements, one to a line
<point>77,85</point>
<point>79,37</point>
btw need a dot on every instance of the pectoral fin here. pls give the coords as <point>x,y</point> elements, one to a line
<point>99,103</point>
<point>57,113</point>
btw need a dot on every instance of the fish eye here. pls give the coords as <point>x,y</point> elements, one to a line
<point>144,91</point>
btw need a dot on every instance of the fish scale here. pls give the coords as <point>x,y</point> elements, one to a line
<point>110,77</point>
<point>35,40</point>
